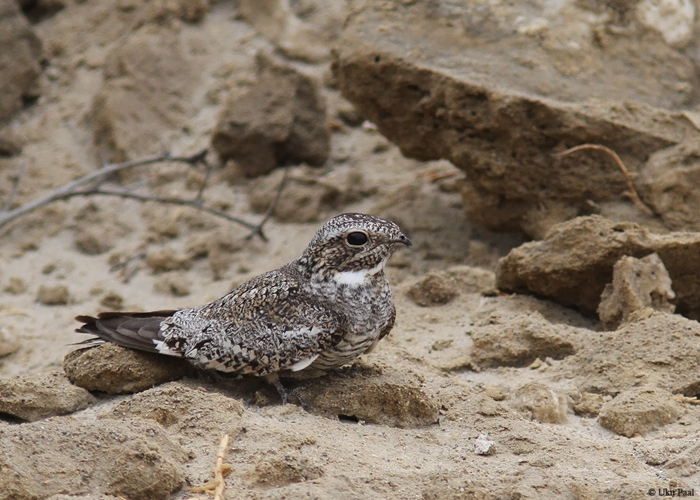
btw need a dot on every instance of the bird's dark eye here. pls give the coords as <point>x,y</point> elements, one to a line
<point>356,239</point>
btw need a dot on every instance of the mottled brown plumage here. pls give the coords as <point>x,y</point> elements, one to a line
<point>317,313</point>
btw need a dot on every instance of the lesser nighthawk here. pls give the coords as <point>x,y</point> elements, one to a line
<point>317,313</point>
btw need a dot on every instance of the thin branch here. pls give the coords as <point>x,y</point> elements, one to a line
<point>271,209</point>
<point>194,203</point>
<point>60,194</point>
<point>632,193</point>
<point>15,185</point>
<point>207,174</point>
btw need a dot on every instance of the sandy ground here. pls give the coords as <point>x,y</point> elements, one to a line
<point>484,396</point>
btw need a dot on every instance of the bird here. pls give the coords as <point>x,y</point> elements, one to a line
<point>315,314</point>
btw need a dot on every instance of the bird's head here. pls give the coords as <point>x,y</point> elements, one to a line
<point>351,246</point>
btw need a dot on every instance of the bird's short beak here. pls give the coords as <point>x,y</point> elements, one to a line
<point>405,241</point>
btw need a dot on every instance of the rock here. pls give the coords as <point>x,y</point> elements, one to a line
<point>20,60</point>
<point>589,405</point>
<point>184,411</point>
<point>495,393</point>
<point>672,20</point>
<point>53,295</point>
<point>637,284</point>
<point>166,259</point>
<point>10,144</point>
<point>435,288</point>
<point>574,263</point>
<point>190,414</point>
<point>470,279</point>
<point>519,340</point>
<point>150,78</point>
<point>36,10</point>
<point>112,300</point>
<point>35,397</point>
<point>7,348</point>
<point>668,183</point>
<point>94,240</point>
<point>484,446</point>
<point>639,411</point>
<point>297,38</point>
<point>177,284</point>
<point>659,351</point>
<point>117,370</point>
<point>132,459</point>
<point>397,400</point>
<point>278,471</point>
<point>280,120</point>
<point>476,84</point>
<point>541,403</point>
<point>16,286</point>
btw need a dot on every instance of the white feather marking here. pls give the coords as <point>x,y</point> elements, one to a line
<point>163,349</point>
<point>300,365</point>
<point>354,278</point>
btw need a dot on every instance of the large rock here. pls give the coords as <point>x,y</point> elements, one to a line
<point>497,88</point>
<point>639,286</point>
<point>574,263</point>
<point>118,370</point>
<point>518,341</point>
<point>149,82</point>
<point>20,60</point>
<point>130,458</point>
<point>281,120</point>
<point>659,351</point>
<point>670,183</point>
<point>639,411</point>
<point>34,397</point>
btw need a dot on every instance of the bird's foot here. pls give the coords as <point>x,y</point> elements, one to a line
<point>274,379</point>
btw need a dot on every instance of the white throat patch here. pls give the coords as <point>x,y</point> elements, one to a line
<point>354,278</point>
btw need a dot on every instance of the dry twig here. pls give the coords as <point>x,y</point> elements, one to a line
<point>686,399</point>
<point>217,485</point>
<point>271,209</point>
<point>76,188</point>
<point>631,192</point>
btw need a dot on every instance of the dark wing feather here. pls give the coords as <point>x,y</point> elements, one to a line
<point>136,330</point>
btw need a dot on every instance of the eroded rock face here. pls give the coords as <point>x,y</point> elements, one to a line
<point>639,411</point>
<point>129,458</point>
<point>638,284</point>
<point>34,397</point>
<point>20,60</point>
<point>670,183</point>
<point>519,341</point>
<point>659,351</point>
<point>149,80</point>
<point>575,262</point>
<point>281,120</point>
<point>465,82</point>
<point>393,399</point>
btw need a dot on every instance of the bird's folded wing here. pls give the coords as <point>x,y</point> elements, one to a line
<point>263,344</point>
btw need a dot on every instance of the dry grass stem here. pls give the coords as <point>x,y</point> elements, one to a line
<point>217,485</point>
<point>631,192</point>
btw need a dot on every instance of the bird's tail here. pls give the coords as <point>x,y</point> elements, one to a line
<point>136,330</point>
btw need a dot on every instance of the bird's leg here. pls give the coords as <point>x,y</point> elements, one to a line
<point>274,379</point>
